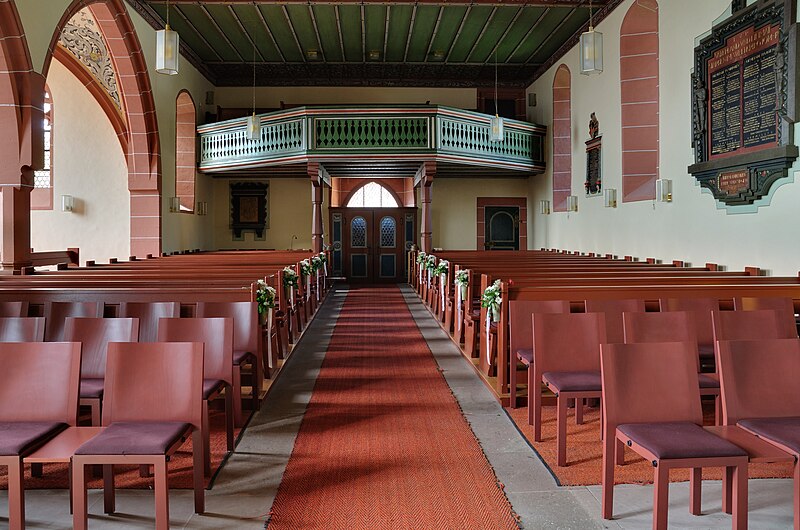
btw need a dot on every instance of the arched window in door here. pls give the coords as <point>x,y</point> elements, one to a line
<point>372,195</point>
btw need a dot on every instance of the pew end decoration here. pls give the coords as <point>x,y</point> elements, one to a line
<point>441,268</point>
<point>290,278</point>
<point>306,268</point>
<point>265,296</point>
<point>491,300</point>
<point>462,281</point>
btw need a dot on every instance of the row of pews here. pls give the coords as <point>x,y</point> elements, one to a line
<point>646,341</point>
<point>82,314</point>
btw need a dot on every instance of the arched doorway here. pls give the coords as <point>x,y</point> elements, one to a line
<point>371,234</point>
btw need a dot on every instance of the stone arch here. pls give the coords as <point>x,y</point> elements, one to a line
<point>562,138</point>
<point>143,147</point>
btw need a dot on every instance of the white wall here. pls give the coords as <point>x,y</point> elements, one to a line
<point>693,227</point>
<point>88,164</point>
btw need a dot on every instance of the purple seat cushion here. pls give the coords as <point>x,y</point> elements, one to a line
<point>20,437</point>
<point>672,440</point>
<point>92,388</point>
<point>525,356</point>
<point>239,356</point>
<point>706,351</point>
<point>707,381</point>
<point>210,386</point>
<point>782,431</point>
<point>573,381</point>
<point>132,438</point>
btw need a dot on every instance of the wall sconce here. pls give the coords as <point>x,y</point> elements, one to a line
<point>544,207</point>
<point>664,190</point>
<point>175,204</point>
<point>202,208</point>
<point>610,195</point>
<point>67,203</point>
<point>572,203</point>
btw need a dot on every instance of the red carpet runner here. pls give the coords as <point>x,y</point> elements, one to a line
<point>383,443</point>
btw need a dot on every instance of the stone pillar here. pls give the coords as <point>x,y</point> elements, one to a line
<point>314,173</point>
<point>16,233</point>
<point>426,174</point>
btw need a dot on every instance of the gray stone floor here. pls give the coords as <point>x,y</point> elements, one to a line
<point>245,489</point>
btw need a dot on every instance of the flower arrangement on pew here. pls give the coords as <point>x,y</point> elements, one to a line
<point>430,264</point>
<point>290,278</point>
<point>305,267</point>
<point>323,260</point>
<point>462,281</point>
<point>421,257</point>
<point>441,268</point>
<point>316,263</point>
<point>265,298</point>
<point>491,300</point>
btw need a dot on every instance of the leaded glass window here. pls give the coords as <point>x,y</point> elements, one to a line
<point>42,179</point>
<point>388,232</point>
<point>372,195</point>
<point>358,232</point>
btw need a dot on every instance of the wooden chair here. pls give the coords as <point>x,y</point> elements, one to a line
<point>21,329</point>
<point>95,334</point>
<point>700,310</point>
<point>613,309</point>
<point>672,326</point>
<point>651,404</point>
<point>759,394</point>
<point>784,307</point>
<point>520,337</point>
<point>246,347</point>
<point>13,309</point>
<point>55,314</point>
<point>153,403</point>
<point>148,314</point>
<point>566,358</point>
<point>751,325</point>
<point>216,334</point>
<point>38,399</point>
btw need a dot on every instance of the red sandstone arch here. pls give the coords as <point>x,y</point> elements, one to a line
<point>562,138</point>
<point>143,152</point>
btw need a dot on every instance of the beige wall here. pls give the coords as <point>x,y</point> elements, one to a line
<point>693,227</point>
<point>454,208</point>
<point>88,164</point>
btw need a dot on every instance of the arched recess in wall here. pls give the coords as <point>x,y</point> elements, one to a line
<point>372,194</point>
<point>562,138</point>
<point>639,91</point>
<point>143,151</point>
<point>185,162</point>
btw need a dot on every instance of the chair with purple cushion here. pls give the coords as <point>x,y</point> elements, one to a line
<point>216,334</point>
<point>13,309</point>
<point>153,403</point>
<point>38,399</point>
<point>56,313</point>
<point>21,329</point>
<point>520,338</point>
<point>246,347</point>
<point>672,326</point>
<point>148,314</point>
<point>95,334</point>
<point>759,394</point>
<point>613,310</point>
<point>651,404</point>
<point>700,311</point>
<point>566,358</point>
<point>751,325</point>
<point>784,307</point>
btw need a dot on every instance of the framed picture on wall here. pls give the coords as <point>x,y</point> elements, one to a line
<point>249,208</point>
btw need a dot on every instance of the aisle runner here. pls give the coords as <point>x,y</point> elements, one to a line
<point>383,443</point>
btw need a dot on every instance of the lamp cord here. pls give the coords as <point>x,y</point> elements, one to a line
<point>496,112</point>
<point>167,15</point>
<point>591,26</point>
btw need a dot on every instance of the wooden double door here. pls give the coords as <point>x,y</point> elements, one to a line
<point>371,243</point>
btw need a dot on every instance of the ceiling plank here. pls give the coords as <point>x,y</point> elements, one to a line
<point>458,33</point>
<point>550,36</point>
<point>281,29</point>
<point>339,30</point>
<point>433,34</point>
<point>269,32</point>
<point>480,35</point>
<point>496,30</point>
<point>572,24</point>
<point>399,29</point>
<point>222,32</point>
<point>350,22</point>
<point>497,3</point>
<point>425,21</point>
<point>531,43</point>
<point>316,32</point>
<point>325,20</point>
<point>284,8</point>
<point>249,18</point>
<point>476,21</point>
<point>447,31</point>
<point>526,24</point>
<point>246,34</point>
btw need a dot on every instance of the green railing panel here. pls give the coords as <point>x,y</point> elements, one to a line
<point>461,136</point>
<point>277,140</point>
<point>371,133</point>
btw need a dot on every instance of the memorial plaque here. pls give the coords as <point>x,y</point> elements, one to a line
<point>733,182</point>
<point>594,162</point>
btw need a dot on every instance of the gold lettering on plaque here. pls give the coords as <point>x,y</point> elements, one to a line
<point>733,182</point>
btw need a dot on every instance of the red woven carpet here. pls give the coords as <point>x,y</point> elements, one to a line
<point>383,443</point>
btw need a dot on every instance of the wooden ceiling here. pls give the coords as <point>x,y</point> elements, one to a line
<point>365,43</point>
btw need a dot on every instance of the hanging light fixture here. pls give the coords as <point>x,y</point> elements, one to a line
<point>497,122</point>
<point>253,121</point>
<point>591,48</point>
<point>167,43</point>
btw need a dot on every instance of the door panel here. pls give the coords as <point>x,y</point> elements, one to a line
<point>502,227</point>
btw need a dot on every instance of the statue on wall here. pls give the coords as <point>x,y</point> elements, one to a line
<point>594,126</point>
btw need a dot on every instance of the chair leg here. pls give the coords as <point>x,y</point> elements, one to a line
<point>561,436</point>
<point>661,498</point>
<point>695,490</point>
<point>96,415</point>
<point>162,494</point>
<point>109,495</point>
<point>206,440</point>
<point>80,513</point>
<point>237,395</point>
<point>512,384</point>
<point>608,476</point>
<point>229,417</point>
<point>796,495</point>
<point>198,472</point>
<point>717,410</point>
<point>578,411</point>
<point>535,405</point>
<point>619,452</point>
<point>16,495</point>
<point>37,469</point>
<point>727,491</point>
<point>740,497</point>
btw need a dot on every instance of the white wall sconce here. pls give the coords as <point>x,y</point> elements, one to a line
<point>544,207</point>
<point>572,203</point>
<point>175,204</point>
<point>202,208</point>
<point>610,196</point>
<point>67,203</point>
<point>664,190</point>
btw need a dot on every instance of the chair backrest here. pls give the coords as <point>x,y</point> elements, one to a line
<point>650,382</point>
<point>567,342</point>
<point>39,381</point>
<point>246,329</point>
<point>57,312</point>
<point>613,309</point>
<point>13,309</point>
<point>148,314</point>
<point>758,378</point>
<point>21,329</point>
<point>215,333</point>
<point>95,334</point>
<point>672,326</point>
<point>520,312</point>
<point>750,325</point>
<point>701,309</point>
<point>784,307</point>
<point>154,382</point>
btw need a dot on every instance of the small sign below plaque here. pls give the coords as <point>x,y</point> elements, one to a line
<point>733,182</point>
